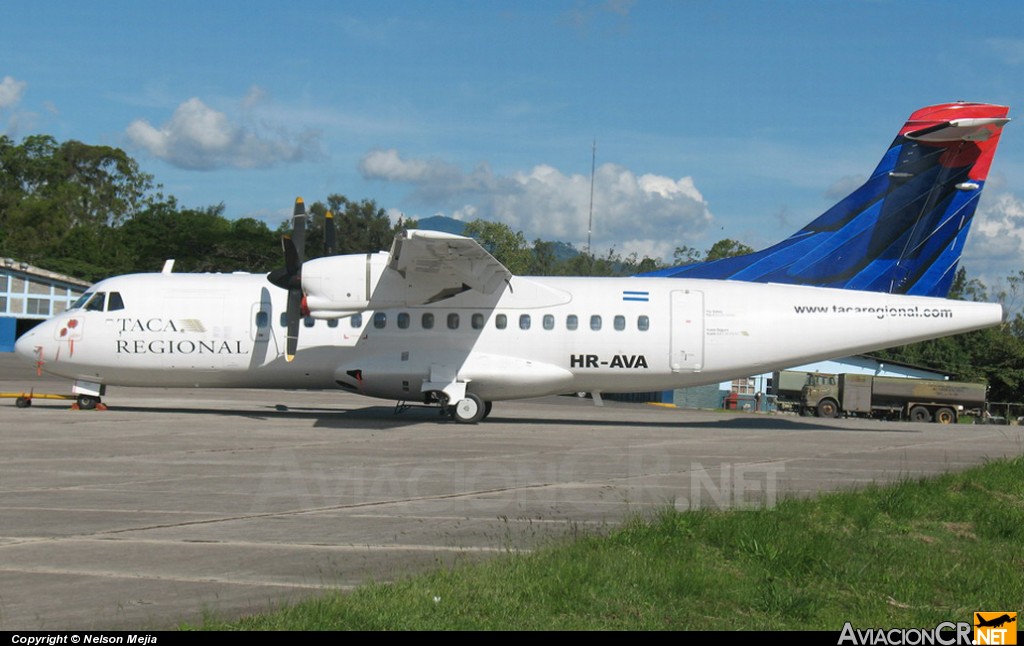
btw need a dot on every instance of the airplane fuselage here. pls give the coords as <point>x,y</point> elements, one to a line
<point>535,336</point>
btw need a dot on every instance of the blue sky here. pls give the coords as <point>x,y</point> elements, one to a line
<point>712,119</point>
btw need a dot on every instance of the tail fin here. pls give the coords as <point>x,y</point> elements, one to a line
<point>903,231</point>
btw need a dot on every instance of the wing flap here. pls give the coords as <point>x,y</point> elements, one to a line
<point>438,265</point>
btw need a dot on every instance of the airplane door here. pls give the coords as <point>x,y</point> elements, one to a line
<point>687,321</point>
<point>261,329</point>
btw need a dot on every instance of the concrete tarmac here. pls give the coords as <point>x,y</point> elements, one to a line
<point>179,504</point>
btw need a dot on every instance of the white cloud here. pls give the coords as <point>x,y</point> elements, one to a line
<point>995,243</point>
<point>11,91</point>
<point>647,214</point>
<point>15,119</point>
<point>201,138</point>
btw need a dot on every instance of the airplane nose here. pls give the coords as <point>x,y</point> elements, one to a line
<point>25,346</point>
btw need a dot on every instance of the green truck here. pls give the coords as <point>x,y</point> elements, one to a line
<point>788,385</point>
<point>895,398</point>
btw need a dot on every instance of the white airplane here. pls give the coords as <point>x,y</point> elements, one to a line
<point>438,320</point>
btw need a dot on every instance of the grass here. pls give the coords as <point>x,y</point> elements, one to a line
<point>913,554</point>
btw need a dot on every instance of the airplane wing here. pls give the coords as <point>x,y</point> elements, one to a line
<point>437,265</point>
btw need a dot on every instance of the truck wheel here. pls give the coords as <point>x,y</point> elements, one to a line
<point>828,408</point>
<point>920,414</point>
<point>945,416</point>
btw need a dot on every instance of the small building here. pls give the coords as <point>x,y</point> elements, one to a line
<point>30,294</point>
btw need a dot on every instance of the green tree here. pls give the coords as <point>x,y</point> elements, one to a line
<point>685,255</point>
<point>994,355</point>
<point>57,199</point>
<point>508,247</point>
<point>189,236</point>
<point>727,248</point>
<point>545,262</point>
<point>361,227</point>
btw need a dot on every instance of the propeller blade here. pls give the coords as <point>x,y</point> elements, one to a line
<point>291,274</point>
<point>292,257</point>
<point>294,318</point>
<point>289,277</point>
<point>299,228</point>
<point>330,235</point>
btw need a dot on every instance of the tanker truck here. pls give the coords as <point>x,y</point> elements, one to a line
<point>896,398</point>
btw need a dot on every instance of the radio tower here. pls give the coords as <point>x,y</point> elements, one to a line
<point>590,221</point>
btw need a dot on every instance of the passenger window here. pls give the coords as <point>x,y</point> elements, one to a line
<point>572,322</point>
<point>524,321</point>
<point>95,303</point>
<point>595,322</point>
<point>403,320</point>
<point>114,302</point>
<point>549,321</point>
<point>380,319</point>
<point>427,321</point>
<point>262,319</point>
<point>308,321</point>
<point>284,319</point>
<point>620,322</point>
<point>501,321</point>
<point>453,321</point>
<point>643,323</point>
<point>332,322</point>
<point>357,320</point>
<point>477,321</point>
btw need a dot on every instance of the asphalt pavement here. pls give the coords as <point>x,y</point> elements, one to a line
<point>178,504</point>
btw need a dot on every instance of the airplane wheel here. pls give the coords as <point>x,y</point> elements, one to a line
<point>87,402</point>
<point>487,409</point>
<point>920,414</point>
<point>828,408</point>
<point>469,410</point>
<point>22,402</point>
<point>945,416</point>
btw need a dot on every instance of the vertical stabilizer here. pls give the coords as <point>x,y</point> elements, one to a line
<point>903,231</point>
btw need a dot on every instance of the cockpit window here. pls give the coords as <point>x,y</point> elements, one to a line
<point>81,300</point>
<point>95,303</point>
<point>114,302</point>
<point>99,302</point>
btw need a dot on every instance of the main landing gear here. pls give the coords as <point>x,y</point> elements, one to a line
<point>470,410</point>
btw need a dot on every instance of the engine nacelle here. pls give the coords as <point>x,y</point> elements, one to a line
<point>337,286</point>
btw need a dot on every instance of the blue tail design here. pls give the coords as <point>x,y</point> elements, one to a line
<point>904,230</point>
